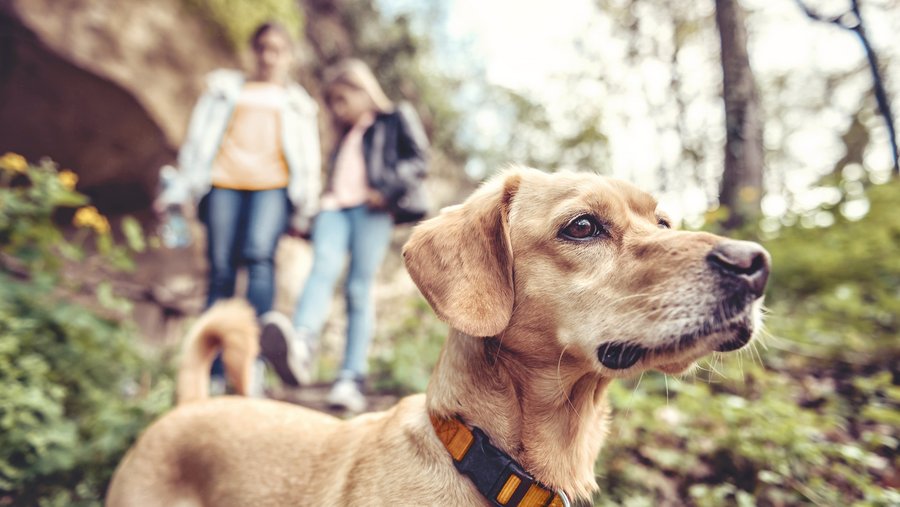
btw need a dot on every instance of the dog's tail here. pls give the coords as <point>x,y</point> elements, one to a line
<point>230,327</point>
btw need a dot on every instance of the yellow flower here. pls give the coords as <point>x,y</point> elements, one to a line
<point>13,162</point>
<point>90,217</point>
<point>68,179</point>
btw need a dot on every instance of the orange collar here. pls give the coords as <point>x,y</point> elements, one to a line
<point>494,473</point>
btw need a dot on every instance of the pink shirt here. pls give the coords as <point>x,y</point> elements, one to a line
<point>349,183</point>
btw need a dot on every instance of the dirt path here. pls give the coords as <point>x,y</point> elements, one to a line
<point>314,397</point>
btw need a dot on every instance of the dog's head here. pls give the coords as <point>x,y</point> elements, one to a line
<point>587,266</point>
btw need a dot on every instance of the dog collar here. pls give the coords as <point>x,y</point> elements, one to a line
<point>495,474</point>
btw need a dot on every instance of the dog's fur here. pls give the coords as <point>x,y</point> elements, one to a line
<point>230,327</point>
<point>529,310</point>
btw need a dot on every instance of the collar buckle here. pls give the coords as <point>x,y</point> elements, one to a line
<point>498,477</point>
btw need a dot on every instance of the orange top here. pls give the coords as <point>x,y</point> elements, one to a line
<point>250,155</point>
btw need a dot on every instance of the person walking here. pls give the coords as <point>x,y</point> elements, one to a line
<point>374,181</point>
<point>252,160</point>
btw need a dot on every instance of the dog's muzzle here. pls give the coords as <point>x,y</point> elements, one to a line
<point>742,271</point>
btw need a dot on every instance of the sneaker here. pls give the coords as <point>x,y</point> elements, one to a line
<point>345,395</point>
<point>257,387</point>
<point>286,352</point>
<point>217,385</point>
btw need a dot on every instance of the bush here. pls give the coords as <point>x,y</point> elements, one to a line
<point>749,441</point>
<point>836,291</point>
<point>235,20</point>
<point>69,406</point>
<point>415,336</point>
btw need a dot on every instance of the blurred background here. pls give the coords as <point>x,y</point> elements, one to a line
<point>759,119</point>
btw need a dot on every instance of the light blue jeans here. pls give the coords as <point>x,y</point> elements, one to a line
<point>365,235</point>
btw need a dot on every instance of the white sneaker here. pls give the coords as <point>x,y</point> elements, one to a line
<point>217,385</point>
<point>256,389</point>
<point>345,395</point>
<point>287,353</point>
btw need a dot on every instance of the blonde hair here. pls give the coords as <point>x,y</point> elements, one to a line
<point>355,73</point>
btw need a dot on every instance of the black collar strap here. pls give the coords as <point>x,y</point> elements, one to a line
<point>495,474</point>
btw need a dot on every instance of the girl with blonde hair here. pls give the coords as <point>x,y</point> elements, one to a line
<point>374,180</point>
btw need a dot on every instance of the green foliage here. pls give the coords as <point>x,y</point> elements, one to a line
<point>237,19</point>
<point>68,409</point>
<point>836,291</point>
<point>29,196</point>
<point>755,440</point>
<point>69,406</point>
<point>405,366</point>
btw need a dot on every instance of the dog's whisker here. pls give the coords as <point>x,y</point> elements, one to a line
<point>713,364</point>
<point>764,335</point>
<point>698,376</point>
<point>647,295</point>
<point>754,355</point>
<point>712,376</point>
<point>666,380</point>
<point>560,382</point>
<point>633,392</point>
<point>629,403</point>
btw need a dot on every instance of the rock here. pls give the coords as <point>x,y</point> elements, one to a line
<point>103,87</point>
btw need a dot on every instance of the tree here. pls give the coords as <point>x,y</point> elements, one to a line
<point>742,179</point>
<point>852,20</point>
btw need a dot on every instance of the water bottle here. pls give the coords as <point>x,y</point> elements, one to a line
<point>175,231</point>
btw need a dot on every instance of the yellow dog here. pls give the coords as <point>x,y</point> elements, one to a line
<point>553,285</point>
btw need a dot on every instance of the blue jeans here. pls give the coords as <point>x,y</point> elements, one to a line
<point>243,228</point>
<point>365,235</point>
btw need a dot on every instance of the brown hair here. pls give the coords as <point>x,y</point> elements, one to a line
<point>266,27</point>
<point>355,73</point>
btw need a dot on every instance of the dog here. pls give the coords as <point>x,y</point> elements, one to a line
<point>553,286</point>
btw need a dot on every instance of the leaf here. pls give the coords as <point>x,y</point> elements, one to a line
<point>134,234</point>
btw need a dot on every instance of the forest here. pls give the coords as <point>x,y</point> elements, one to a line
<point>701,103</point>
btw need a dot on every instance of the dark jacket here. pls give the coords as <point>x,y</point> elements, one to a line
<point>395,149</point>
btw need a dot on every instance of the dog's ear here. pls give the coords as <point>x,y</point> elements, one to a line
<point>461,260</point>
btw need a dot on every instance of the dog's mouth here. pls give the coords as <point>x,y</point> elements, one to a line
<point>618,356</point>
<point>680,352</point>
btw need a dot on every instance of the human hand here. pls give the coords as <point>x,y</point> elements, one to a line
<point>375,200</point>
<point>300,227</point>
<point>159,206</point>
<point>295,233</point>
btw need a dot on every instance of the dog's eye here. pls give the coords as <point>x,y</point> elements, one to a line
<point>664,224</point>
<point>583,227</point>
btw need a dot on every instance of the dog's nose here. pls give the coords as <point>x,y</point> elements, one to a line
<point>744,260</point>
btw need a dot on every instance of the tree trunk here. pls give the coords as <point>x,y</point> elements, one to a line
<point>741,189</point>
